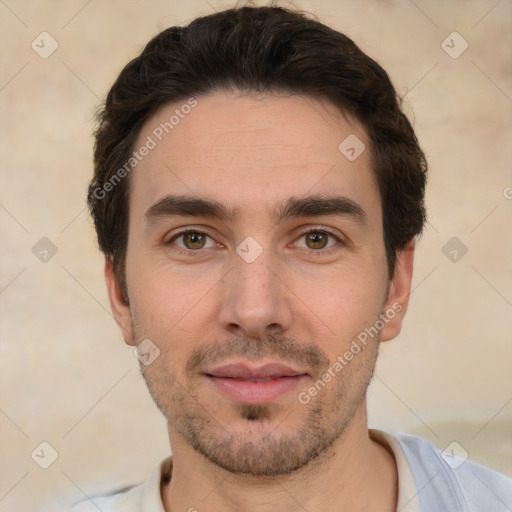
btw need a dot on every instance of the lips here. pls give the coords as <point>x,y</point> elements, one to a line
<point>263,373</point>
<point>255,385</point>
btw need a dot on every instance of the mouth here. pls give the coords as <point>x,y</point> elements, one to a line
<point>255,385</point>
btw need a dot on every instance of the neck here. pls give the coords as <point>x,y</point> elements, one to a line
<point>354,474</point>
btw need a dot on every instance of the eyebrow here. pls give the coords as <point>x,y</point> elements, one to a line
<point>317,206</point>
<point>312,206</point>
<point>189,206</point>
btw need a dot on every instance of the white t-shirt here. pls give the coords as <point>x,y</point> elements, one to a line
<point>428,481</point>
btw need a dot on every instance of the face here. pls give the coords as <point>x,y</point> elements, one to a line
<point>256,266</point>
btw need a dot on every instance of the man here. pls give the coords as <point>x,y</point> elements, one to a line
<point>257,194</point>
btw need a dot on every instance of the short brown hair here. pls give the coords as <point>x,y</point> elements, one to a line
<point>261,49</point>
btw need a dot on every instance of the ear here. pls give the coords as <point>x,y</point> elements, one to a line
<point>399,292</point>
<point>120,309</point>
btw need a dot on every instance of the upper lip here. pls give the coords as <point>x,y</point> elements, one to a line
<point>245,372</point>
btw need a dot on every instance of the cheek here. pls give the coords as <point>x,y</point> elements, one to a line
<point>170,302</point>
<point>346,299</point>
<point>343,315</point>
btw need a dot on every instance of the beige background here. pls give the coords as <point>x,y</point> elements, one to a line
<point>67,377</point>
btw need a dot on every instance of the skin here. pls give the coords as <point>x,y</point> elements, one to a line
<point>299,302</point>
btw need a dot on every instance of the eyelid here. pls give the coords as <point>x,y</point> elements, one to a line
<point>183,230</point>
<point>305,230</point>
<point>340,239</point>
<point>169,240</point>
<point>209,242</point>
<point>329,233</point>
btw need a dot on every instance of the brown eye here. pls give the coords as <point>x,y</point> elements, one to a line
<point>193,240</point>
<point>317,240</point>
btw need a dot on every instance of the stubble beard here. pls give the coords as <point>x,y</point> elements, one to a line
<point>263,448</point>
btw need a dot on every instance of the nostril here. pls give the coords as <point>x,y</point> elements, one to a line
<point>234,327</point>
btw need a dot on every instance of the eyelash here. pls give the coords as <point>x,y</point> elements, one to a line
<point>180,250</point>
<point>328,250</point>
<point>191,252</point>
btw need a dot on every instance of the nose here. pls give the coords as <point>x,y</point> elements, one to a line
<point>256,301</point>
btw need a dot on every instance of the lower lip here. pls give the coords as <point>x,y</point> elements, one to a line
<point>249,392</point>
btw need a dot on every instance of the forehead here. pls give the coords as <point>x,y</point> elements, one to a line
<point>245,150</point>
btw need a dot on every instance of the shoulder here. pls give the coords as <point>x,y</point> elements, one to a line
<point>127,500</point>
<point>133,499</point>
<point>443,478</point>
